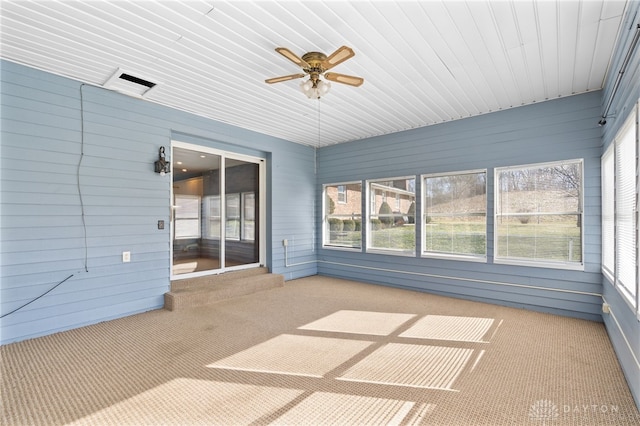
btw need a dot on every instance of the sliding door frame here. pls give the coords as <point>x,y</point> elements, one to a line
<point>262,209</point>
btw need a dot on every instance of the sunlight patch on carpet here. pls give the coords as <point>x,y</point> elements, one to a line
<point>297,355</point>
<point>429,367</point>
<point>359,322</point>
<point>209,402</point>
<point>439,327</point>
<point>323,408</point>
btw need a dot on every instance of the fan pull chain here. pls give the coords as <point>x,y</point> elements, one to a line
<point>319,140</point>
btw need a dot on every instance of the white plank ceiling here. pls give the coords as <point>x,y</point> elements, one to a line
<point>424,62</point>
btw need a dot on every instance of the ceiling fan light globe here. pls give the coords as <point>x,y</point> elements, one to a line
<point>324,87</point>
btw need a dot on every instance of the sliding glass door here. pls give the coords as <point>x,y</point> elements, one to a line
<point>217,211</point>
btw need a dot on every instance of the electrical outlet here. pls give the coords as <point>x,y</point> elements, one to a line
<point>285,242</point>
<point>606,309</point>
<point>126,256</point>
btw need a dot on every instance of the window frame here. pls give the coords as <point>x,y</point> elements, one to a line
<point>539,263</point>
<point>326,244</point>
<point>446,255</point>
<point>370,203</point>
<point>631,296</point>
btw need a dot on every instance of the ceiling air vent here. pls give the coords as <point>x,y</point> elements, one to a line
<point>127,83</point>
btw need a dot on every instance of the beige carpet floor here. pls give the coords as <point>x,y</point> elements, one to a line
<point>321,351</point>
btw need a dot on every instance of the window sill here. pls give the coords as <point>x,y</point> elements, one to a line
<point>346,248</point>
<point>391,252</point>
<point>456,257</point>
<point>540,264</point>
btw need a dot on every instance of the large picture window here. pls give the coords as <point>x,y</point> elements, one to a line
<point>455,214</point>
<point>343,215</point>
<point>620,211</point>
<point>538,214</point>
<point>392,228</point>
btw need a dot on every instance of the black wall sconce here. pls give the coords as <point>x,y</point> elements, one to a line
<point>161,166</point>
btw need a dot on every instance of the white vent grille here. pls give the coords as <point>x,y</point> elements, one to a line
<point>128,83</point>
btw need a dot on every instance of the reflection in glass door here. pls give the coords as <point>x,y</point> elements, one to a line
<point>241,187</point>
<point>216,211</point>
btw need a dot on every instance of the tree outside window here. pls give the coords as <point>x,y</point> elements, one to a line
<point>455,214</point>
<point>538,215</point>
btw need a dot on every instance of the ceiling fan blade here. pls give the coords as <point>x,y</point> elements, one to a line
<point>339,56</point>
<point>345,79</point>
<point>283,78</point>
<point>292,57</point>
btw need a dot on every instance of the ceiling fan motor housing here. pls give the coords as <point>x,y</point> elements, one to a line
<point>315,61</point>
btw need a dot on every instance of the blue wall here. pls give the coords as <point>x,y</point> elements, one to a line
<point>50,232</point>
<point>560,129</point>
<point>622,324</point>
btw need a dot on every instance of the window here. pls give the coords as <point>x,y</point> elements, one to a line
<point>212,216</point>
<point>232,230</point>
<point>249,217</point>
<point>342,194</point>
<point>235,223</point>
<point>392,229</point>
<point>343,219</point>
<point>187,216</point>
<point>538,214</point>
<point>455,214</point>
<point>620,211</point>
<point>608,213</point>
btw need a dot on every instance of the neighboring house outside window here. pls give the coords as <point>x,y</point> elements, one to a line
<point>391,229</point>
<point>342,215</point>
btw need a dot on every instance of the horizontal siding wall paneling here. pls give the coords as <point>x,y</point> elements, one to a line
<point>581,306</point>
<point>35,84</point>
<point>511,125</point>
<point>22,172</point>
<point>14,95</point>
<point>21,93</point>
<point>45,118</point>
<point>39,136</point>
<point>62,321</point>
<point>544,278</point>
<point>622,324</point>
<point>294,211</point>
<point>554,130</point>
<point>223,146</point>
<point>622,328</point>
<point>494,155</point>
<point>77,289</point>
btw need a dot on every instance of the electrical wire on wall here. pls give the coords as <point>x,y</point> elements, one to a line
<point>84,225</point>
<point>33,300</point>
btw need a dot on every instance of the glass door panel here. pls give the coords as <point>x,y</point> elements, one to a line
<point>241,189</point>
<point>196,211</point>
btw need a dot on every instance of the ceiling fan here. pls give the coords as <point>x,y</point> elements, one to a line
<point>315,64</point>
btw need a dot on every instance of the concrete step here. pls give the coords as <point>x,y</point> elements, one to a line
<point>207,290</point>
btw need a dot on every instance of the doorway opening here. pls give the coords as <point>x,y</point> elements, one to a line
<point>217,212</point>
